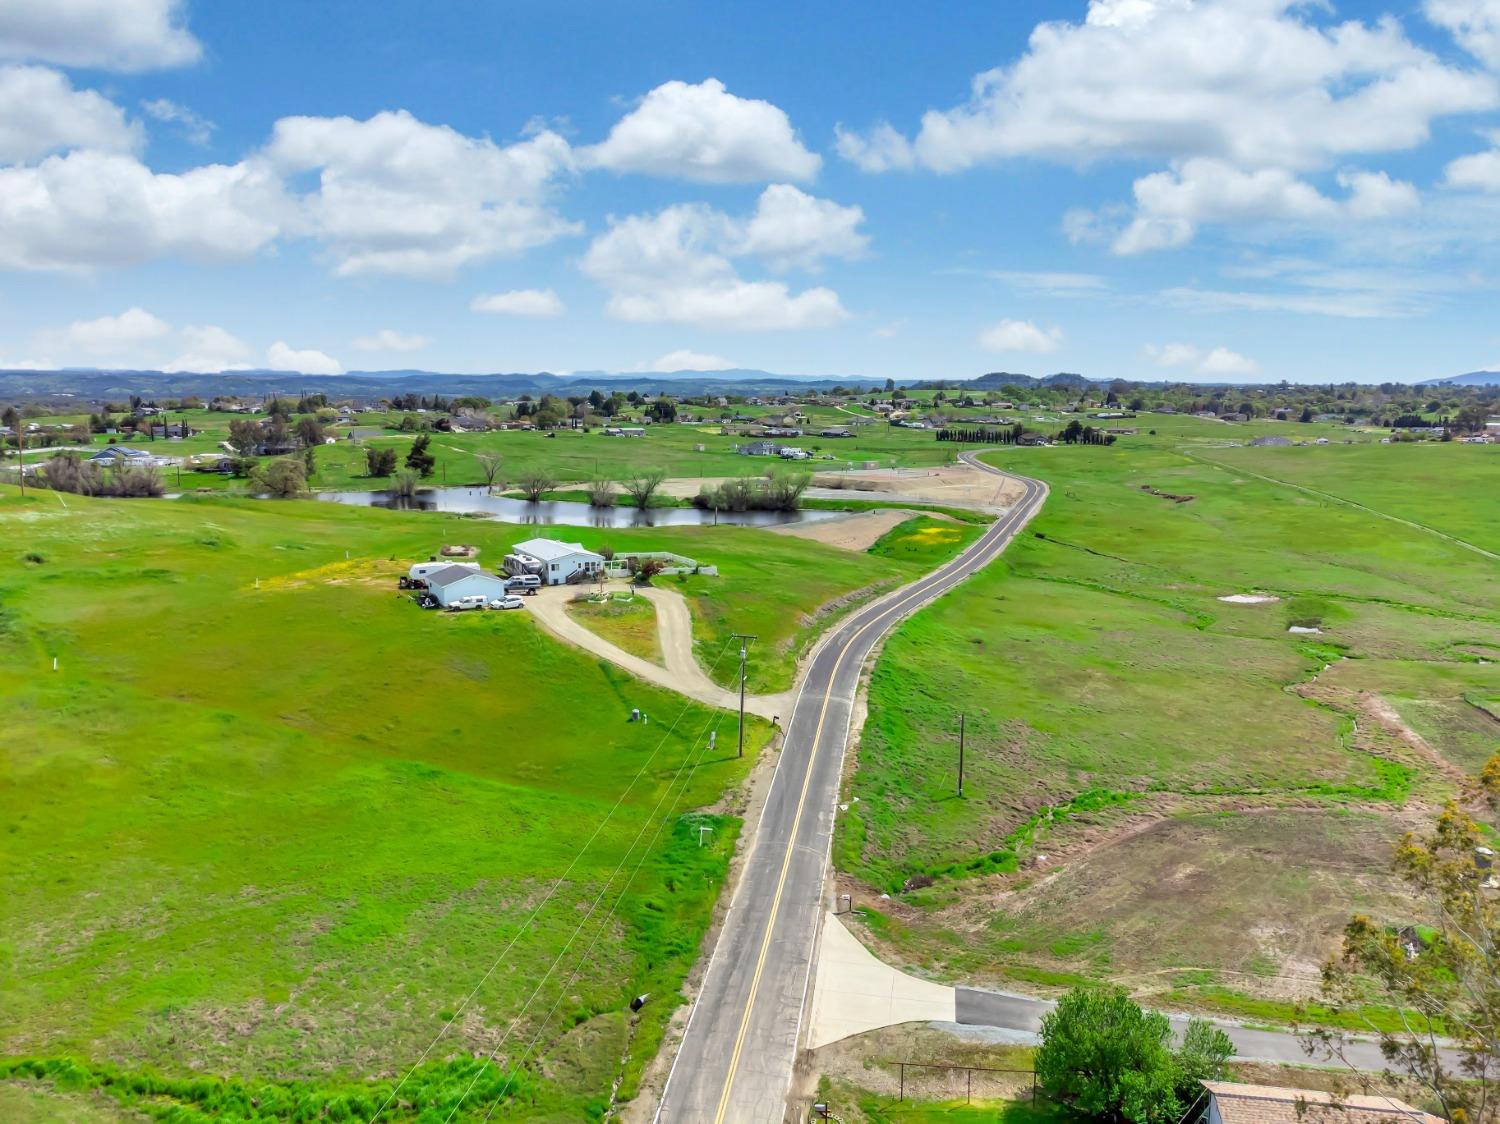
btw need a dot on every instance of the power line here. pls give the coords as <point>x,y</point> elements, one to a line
<point>526,925</point>
<point>604,922</point>
<point>448,1024</point>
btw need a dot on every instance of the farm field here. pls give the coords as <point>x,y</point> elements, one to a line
<point>1164,788</point>
<point>278,822</point>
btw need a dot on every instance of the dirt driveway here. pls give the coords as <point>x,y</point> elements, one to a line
<point>681,672</point>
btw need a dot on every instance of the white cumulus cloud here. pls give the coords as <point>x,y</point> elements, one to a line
<point>1021,335</point>
<point>1474,23</point>
<point>1478,171</point>
<point>388,339</point>
<point>129,35</point>
<point>399,196</point>
<point>209,349</point>
<point>685,360</point>
<point>112,335</point>
<point>675,266</point>
<point>706,134</point>
<point>41,113</point>
<point>282,357</point>
<point>1216,361</point>
<point>520,302</point>
<point>88,209</point>
<point>1243,99</point>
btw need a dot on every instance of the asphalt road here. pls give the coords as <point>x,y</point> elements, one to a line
<point>735,1061</point>
<point>1023,1014</point>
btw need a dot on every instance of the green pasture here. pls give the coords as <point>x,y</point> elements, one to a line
<point>1104,684</point>
<point>268,820</point>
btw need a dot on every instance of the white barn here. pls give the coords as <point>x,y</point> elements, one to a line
<point>555,562</point>
<point>453,582</point>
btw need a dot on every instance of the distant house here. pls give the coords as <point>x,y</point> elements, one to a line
<point>624,431</point>
<point>1231,1103</point>
<point>759,449</point>
<point>1032,439</point>
<point>554,561</point>
<point>835,431</point>
<point>1271,439</point>
<point>454,582</point>
<point>113,456</point>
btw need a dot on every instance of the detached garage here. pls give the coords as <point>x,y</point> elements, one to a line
<point>454,582</point>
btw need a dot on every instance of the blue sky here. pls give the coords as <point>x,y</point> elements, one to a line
<point>1193,189</point>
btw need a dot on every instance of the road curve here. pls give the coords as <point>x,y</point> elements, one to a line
<point>735,1060</point>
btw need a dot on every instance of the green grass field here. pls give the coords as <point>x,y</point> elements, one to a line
<point>269,822</point>
<point>630,625</point>
<point>1138,750</point>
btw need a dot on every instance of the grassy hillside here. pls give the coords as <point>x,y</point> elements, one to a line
<point>1135,744</point>
<point>268,820</point>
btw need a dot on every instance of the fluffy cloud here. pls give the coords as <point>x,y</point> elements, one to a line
<point>138,339</point>
<point>88,209</point>
<point>1256,82</point>
<point>197,129</point>
<point>399,196</point>
<point>41,113</point>
<point>685,360</point>
<point>114,335</point>
<point>1244,98</point>
<point>791,229</point>
<point>1170,206</point>
<point>880,149</point>
<point>1474,23</point>
<point>388,339</point>
<point>126,35</point>
<point>705,134</point>
<point>1217,361</point>
<point>210,349</point>
<point>283,357</point>
<point>520,302</point>
<point>1478,171</point>
<point>1021,335</point>
<point>675,266</point>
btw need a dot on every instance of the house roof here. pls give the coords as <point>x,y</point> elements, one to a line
<point>120,451</point>
<point>1269,1104</point>
<point>450,574</point>
<point>550,550</point>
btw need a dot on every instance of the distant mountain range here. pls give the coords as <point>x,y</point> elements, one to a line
<point>118,384</point>
<point>1473,378</point>
<point>114,384</point>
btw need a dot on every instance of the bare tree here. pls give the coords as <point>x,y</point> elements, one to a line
<point>643,486</point>
<point>601,492</point>
<point>534,483</point>
<point>489,464</point>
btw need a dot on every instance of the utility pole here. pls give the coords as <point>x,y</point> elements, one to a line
<point>745,639</point>
<point>960,755</point>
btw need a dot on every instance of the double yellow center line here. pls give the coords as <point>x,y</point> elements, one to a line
<point>786,863</point>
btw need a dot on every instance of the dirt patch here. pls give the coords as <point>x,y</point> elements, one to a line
<point>849,532</point>
<point>958,485</point>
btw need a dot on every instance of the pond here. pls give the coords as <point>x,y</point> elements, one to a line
<point>560,513</point>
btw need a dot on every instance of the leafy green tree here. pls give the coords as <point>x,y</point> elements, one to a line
<point>284,478</point>
<point>1111,1060</point>
<point>1444,979</point>
<point>419,459</point>
<point>310,431</point>
<point>379,462</point>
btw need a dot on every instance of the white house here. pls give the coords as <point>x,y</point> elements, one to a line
<point>454,581</point>
<point>555,562</point>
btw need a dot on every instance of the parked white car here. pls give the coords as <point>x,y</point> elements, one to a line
<point>511,602</point>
